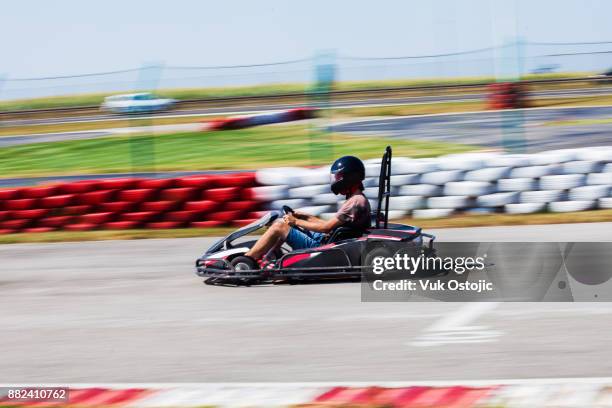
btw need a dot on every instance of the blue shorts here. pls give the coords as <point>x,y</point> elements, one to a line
<point>301,240</point>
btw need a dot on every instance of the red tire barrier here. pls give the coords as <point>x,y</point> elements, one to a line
<point>38,192</point>
<point>7,231</point>
<point>5,215</point>
<point>165,224</point>
<point>159,206</point>
<point>96,218</point>
<point>20,204</point>
<point>243,222</point>
<point>59,201</point>
<point>241,206</point>
<point>178,194</point>
<point>15,224</point>
<point>235,180</point>
<point>119,183</point>
<point>96,197</point>
<point>223,194</point>
<point>139,217</point>
<point>256,214</point>
<point>183,216</point>
<point>120,225</point>
<point>9,194</point>
<point>203,206</point>
<point>206,224</point>
<point>196,181</point>
<point>80,227</point>
<point>39,229</point>
<point>117,207</point>
<point>30,214</point>
<point>157,184</point>
<point>224,216</point>
<point>55,222</point>
<point>77,209</point>
<point>77,187</point>
<point>136,196</point>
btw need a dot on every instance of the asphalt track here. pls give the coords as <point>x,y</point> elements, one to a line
<point>263,107</point>
<point>133,311</point>
<point>537,129</point>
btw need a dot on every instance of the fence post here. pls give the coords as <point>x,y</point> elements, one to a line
<point>321,148</point>
<point>142,148</point>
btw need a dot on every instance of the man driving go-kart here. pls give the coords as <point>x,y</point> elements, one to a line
<point>301,230</point>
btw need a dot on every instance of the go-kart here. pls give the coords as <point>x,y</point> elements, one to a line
<point>345,254</point>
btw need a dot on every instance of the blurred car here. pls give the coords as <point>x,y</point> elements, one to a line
<point>143,102</point>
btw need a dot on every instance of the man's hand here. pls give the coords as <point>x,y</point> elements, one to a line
<point>289,219</point>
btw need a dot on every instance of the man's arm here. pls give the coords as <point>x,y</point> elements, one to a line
<point>312,223</point>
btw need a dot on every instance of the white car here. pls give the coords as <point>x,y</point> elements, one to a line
<point>143,102</point>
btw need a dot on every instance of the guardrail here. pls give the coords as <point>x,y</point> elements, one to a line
<point>336,93</point>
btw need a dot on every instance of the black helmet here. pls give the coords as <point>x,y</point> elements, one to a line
<point>346,172</point>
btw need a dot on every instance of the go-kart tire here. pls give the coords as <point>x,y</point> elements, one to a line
<point>244,263</point>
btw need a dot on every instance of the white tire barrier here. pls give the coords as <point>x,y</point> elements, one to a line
<point>542,196</point>
<point>553,157</point>
<point>316,176</point>
<point>398,180</point>
<point>607,168</point>
<point>469,188</point>
<point>372,169</point>
<point>599,178</point>
<point>291,176</point>
<point>327,216</point>
<point>589,192</point>
<point>562,181</point>
<point>571,206</point>
<point>316,210</point>
<point>508,160</point>
<point>441,177</point>
<point>270,193</point>
<point>433,213</point>
<point>292,202</point>
<point>488,174</point>
<point>524,208</point>
<point>327,198</point>
<point>465,161</point>
<point>581,167</point>
<point>406,203</point>
<point>415,166</point>
<point>397,214</point>
<point>605,203</point>
<point>427,190</point>
<point>308,191</point>
<point>532,171</point>
<point>449,202</point>
<point>498,199</point>
<point>600,153</point>
<point>518,184</point>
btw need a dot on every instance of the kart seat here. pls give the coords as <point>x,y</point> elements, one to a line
<point>343,232</point>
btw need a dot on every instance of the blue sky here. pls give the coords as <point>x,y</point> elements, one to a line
<point>69,36</point>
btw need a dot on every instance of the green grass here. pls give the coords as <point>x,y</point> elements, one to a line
<point>292,145</point>
<point>94,99</point>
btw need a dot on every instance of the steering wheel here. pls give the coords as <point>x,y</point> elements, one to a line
<point>289,210</point>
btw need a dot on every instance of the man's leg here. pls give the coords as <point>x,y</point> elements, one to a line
<point>273,236</point>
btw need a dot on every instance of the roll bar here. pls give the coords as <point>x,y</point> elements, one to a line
<point>384,188</point>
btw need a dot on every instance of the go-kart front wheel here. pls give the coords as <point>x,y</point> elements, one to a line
<point>244,263</point>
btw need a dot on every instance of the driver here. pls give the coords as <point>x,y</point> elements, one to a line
<point>347,175</point>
